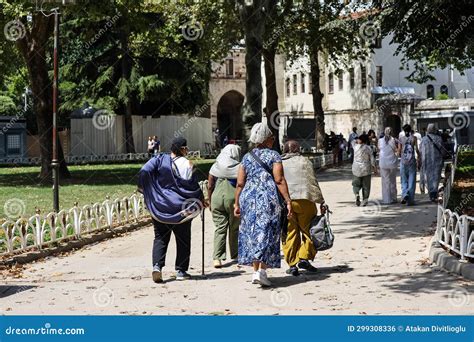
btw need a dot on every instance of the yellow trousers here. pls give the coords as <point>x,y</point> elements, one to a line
<point>298,244</point>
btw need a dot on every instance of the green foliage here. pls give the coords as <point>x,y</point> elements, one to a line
<point>442,96</point>
<point>433,34</point>
<point>326,27</point>
<point>7,106</point>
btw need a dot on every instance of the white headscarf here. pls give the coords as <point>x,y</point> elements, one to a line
<point>259,133</point>
<point>227,162</point>
<point>431,128</point>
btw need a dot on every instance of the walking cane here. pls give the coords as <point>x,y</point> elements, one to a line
<point>203,186</point>
<point>202,256</point>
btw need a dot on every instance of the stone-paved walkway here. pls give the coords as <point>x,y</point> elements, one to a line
<point>378,265</point>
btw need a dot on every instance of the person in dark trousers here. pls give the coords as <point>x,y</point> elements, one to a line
<point>334,142</point>
<point>156,145</point>
<point>173,197</point>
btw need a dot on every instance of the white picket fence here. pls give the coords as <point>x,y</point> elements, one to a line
<point>40,230</point>
<point>455,232</point>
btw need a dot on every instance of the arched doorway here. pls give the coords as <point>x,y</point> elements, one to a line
<point>229,116</point>
<point>395,123</point>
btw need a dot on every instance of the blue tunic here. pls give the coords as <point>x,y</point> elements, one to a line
<point>259,233</point>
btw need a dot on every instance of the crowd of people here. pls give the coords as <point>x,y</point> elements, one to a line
<point>411,153</point>
<point>265,200</point>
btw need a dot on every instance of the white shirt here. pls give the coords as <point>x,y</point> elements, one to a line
<point>418,139</point>
<point>388,154</point>
<point>184,167</point>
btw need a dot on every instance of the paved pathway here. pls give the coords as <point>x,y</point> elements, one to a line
<point>378,265</point>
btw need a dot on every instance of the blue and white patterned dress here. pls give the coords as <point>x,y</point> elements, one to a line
<point>259,233</point>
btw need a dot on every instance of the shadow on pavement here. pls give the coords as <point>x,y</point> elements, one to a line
<point>9,290</point>
<point>378,222</point>
<point>321,274</point>
<point>432,280</point>
<point>209,276</point>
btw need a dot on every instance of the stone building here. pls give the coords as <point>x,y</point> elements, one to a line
<point>370,94</point>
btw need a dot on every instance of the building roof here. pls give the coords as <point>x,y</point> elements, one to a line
<point>393,90</point>
<point>430,105</point>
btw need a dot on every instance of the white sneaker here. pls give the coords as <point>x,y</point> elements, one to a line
<point>256,277</point>
<point>263,278</point>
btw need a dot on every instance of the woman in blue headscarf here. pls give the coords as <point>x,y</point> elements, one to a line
<point>173,197</point>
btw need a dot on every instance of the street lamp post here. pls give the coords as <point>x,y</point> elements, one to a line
<point>54,162</point>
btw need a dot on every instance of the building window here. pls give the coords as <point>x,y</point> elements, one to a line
<point>229,67</point>
<point>13,144</point>
<point>303,81</point>
<point>340,80</point>
<point>443,89</point>
<point>363,77</point>
<point>351,78</point>
<point>288,87</point>
<point>310,84</point>
<point>331,83</point>
<point>295,84</point>
<point>378,75</point>
<point>430,91</point>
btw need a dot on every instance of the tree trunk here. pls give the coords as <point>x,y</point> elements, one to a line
<point>271,106</point>
<point>32,48</point>
<point>128,106</point>
<point>317,98</point>
<point>253,21</point>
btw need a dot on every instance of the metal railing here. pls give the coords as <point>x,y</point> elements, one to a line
<point>454,232</point>
<point>40,230</point>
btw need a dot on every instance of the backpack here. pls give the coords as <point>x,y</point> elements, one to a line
<point>408,154</point>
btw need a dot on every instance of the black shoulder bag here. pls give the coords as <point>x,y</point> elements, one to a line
<point>281,200</point>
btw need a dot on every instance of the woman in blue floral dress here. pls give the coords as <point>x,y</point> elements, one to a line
<point>257,204</point>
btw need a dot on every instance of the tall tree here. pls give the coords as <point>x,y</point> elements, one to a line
<point>430,34</point>
<point>253,18</point>
<point>326,32</point>
<point>278,20</point>
<point>32,31</point>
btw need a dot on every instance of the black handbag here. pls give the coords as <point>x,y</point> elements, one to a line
<point>281,200</point>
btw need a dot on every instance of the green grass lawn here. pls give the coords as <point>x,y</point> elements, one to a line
<point>89,184</point>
